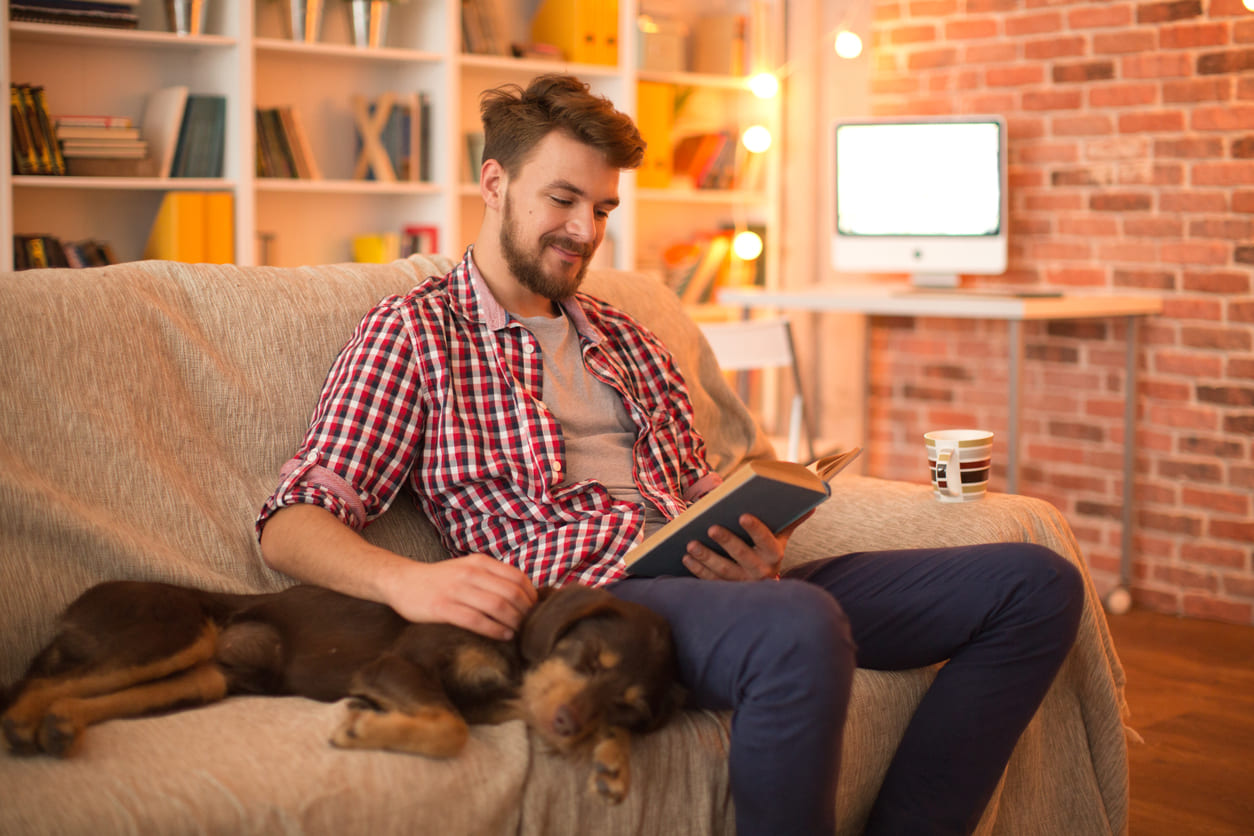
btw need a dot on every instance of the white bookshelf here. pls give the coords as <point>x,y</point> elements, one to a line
<point>246,56</point>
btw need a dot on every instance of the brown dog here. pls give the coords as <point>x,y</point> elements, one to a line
<point>585,670</point>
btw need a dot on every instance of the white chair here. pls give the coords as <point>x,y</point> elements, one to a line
<point>755,344</point>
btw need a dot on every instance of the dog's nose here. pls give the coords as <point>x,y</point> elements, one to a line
<point>566,721</point>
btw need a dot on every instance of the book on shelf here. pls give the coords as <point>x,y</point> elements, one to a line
<point>113,14</point>
<point>22,142</point>
<point>194,227</point>
<point>161,124</point>
<point>34,144</point>
<point>489,27</point>
<point>778,493</point>
<point>34,251</point>
<point>697,287</point>
<point>274,152</point>
<point>297,140</point>
<point>129,150</point>
<point>66,132</point>
<point>93,121</point>
<point>705,160</point>
<point>201,145</point>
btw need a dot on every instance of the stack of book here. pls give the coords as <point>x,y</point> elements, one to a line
<point>99,137</point>
<point>115,14</point>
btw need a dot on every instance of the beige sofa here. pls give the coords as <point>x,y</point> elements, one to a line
<point>145,409</point>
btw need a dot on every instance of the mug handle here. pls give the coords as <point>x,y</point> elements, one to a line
<point>945,452</point>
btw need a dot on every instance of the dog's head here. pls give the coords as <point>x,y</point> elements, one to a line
<point>594,661</point>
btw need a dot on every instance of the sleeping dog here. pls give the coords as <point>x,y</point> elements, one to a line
<point>584,671</point>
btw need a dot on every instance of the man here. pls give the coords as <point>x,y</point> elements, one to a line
<point>545,433</point>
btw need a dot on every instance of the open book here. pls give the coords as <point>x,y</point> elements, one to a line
<point>776,492</point>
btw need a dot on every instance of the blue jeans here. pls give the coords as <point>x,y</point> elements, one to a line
<point>781,656</point>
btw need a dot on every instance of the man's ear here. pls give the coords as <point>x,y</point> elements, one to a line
<point>492,183</point>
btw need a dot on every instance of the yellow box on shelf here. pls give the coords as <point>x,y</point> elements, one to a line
<point>586,33</point>
<point>194,227</point>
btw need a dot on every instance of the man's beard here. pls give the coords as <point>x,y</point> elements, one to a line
<point>527,267</point>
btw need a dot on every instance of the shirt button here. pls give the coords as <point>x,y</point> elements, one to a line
<point>311,457</point>
<point>557,467</point>
<point>528,348</point>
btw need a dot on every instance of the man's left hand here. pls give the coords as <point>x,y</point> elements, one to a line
<point>758,558</point>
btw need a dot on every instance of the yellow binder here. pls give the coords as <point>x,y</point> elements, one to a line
<point>178,233</point>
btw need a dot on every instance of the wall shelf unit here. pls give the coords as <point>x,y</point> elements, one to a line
<point>246,57</point>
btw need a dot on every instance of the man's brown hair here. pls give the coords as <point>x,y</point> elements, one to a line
<point>516,120</point>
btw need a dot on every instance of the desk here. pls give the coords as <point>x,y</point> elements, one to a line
<point>901,300</point>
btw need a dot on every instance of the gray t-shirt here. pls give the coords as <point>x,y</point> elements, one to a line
<point>598,432</point>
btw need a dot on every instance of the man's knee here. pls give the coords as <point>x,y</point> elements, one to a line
<point>1054,586</point>
<point>804,634</point>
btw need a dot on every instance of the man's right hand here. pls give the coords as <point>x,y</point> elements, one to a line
<point>476,592</point>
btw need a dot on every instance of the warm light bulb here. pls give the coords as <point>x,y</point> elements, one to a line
<point>766,85</point>
<point>747,245</point>
<point>1249,4</point>
<point>849,45</point>
<point>756,138</point>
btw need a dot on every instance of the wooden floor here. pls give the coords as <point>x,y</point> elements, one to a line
<point>1191,692</point>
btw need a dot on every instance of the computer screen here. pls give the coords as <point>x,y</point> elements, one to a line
<point>921,195</point>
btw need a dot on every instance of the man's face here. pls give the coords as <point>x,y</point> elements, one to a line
<point>554,215</point>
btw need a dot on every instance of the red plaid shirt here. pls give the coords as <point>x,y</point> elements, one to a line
<point>441,389</point>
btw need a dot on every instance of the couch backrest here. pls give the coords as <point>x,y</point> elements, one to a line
<point>145,409</point>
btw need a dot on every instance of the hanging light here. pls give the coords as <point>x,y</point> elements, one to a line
<point>849,45</point>
<point>747,245</point>
<point>756,138</point>
<point>766,85</point>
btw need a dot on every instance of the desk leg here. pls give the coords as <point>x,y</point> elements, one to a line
<point>1016,405</point>
<point>1129,451</point>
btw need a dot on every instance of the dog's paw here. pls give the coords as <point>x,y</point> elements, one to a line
<point>19,738</point>
<point>430,731</point>
<point>611,769</point>
<point>350,734</point>
<point>58,735</point>
<point>610,783</point>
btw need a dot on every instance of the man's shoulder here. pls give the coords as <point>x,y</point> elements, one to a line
<point>601,312</point>
<point>429,295</point>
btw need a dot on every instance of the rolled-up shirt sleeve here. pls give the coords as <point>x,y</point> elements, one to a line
<point>364,434</point>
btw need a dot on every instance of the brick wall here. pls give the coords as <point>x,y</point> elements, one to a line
<point>1131,132</point>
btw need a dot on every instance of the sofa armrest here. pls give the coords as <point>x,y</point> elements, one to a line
<point>868,514</point>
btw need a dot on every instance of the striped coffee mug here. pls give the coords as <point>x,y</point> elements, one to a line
<point>960,461</point>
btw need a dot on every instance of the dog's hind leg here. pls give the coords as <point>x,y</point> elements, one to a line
<point>66,718</point>
<point>24,719</point>
<point>401,707</point>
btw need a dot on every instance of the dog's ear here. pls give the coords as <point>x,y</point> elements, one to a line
<point>555,612</point>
